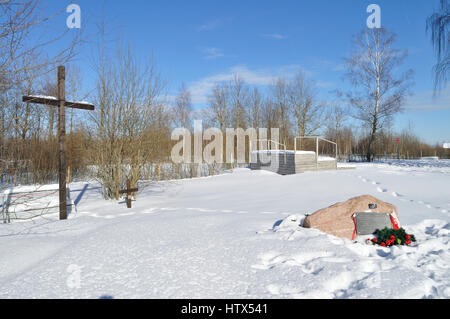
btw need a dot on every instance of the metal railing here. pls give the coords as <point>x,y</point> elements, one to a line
<point>317,139</point>
<point>272,142</point>
<point>267,141</point>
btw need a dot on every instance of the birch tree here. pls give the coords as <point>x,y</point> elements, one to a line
<point>380,88</point>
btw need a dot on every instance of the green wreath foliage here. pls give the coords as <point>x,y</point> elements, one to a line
<point>390,237</point>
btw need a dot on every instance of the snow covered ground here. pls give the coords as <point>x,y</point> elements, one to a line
<point>232,236</point>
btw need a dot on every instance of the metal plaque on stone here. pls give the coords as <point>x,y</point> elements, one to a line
<point>369,223</point>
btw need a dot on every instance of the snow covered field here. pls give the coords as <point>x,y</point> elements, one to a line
<point>224,237</point>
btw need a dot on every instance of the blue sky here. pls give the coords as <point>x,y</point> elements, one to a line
<point>199,42</point>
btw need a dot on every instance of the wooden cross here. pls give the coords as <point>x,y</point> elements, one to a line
<point>61,103</point>
<point>128,191</point>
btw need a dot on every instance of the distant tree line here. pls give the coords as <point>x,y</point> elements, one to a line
<point>128,136</point>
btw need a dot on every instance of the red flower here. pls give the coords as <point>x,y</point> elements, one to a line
<point>392,237</point>
<point>375,240</point>
<point>383,244</point>
<point>407,242</point>
<point>408,237</point>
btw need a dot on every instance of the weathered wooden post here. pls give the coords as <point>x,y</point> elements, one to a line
<point>61,103</point>
<point>62,142</point>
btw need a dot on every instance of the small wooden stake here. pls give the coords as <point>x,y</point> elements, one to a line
<point>128,192</point>
<point>128,198</point>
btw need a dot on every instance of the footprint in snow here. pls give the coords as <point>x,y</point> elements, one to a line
<point>381,190</point>
<point>395,194</point>
<point>269,260</point>
<point>312,268</point>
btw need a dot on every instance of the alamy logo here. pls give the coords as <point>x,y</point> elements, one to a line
<point>74,19</point>
<point>234,141</point>
<point>374,20</point>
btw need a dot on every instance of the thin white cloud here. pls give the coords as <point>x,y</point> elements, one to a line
<point>212,53</point>
<point>210,25</point>
<point>427,101</point>
<point>201,89</point>
<point>276,36</point>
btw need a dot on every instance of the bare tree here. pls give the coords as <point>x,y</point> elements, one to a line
<point>183,108</point>
<point>50,88</point>
<point>305,107</point>
<point>219,106</point>
<point>439,25</point>
<point>280,101</point>
<point>129,120</point>
<point>238,101</point>
<point>380,89</point>
<point>23,34</point>
<point>254,108</point>
<point>335,130</point>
